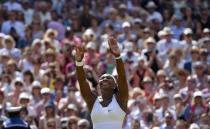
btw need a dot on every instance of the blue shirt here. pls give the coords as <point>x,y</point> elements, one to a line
<point>15,123</point>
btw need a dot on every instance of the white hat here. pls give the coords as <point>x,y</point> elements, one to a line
<point>194,126</point>
<point>24,95</point>
<point>45,90</point>
<point>72,106</point>
<point>206,30</point>
<point>176,96</point>
<point>36,41</point>
<point>197,94</point>
<point>151,4</point>
<point>5,53</point>
<point>11,109</point>
<point>18,79</point>
<point>150,40</point>
<point>137,20</point>
<point>167,31</point>
<point>36,84</point>
<point>83,121</point>
<point>89,32</point>
<point>128,47</point>
<point>187,31</point>
<point>91,45</point>
<point>161,33</point>
<point>126,24</point>
<point>157,96</point>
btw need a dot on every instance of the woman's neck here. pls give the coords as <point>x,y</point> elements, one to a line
<point>105,101</point>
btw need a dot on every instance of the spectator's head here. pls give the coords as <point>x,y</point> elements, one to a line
<point>126,27</point>
<point>135,124</point>
<point>36,88</point>
<point>72,123</point>
<point>180,124</point>
<point>150,43</point>
<point>206,32</point>
<point>89,35</point>
<point>188,34</point>
<point>147,84</point>
<point>112,13</point>
<point>50,108</point>
<point>191,82</point>
<point>18,84</point>
<point>11,66</point>
<point>169,119</point>
<point>151,6</point>
<point>24,99</point>
<point>168,33</point>
<point>197,98</point>
<point>161,75</point>
<point>72,110</point>
<point>12,15</point>
<point>199,68</point>
<point>83,124</point>
<point>46,93</point>
<point>51,34</point>
<point>51,123</point>
<point>157,100</point>
<point>91,47</point>
<point>177,98</point>
<point>50,55</point>
<point>28,77</point>
<point>9,42</point>
<point>194,126</point>
<point>37,44</point>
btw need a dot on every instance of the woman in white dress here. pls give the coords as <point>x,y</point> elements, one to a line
<point>108,109</point>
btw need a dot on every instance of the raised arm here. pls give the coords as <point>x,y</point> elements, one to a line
<point>122,95</point>
<point>83,83</point>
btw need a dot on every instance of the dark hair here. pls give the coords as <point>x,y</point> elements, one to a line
<point>30,74</point>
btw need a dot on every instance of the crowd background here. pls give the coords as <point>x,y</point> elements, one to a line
<point>165,46</point>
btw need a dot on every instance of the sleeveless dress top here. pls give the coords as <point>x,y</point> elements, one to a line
<point>110,117</point>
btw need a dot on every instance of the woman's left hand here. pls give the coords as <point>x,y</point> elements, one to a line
<point>113,46</point>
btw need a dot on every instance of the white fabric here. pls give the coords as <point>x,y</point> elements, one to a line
<point>110,117</point>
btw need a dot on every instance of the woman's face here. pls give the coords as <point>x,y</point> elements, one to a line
<point>106,83</point>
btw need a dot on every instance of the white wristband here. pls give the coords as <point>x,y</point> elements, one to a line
<point>79,63</point>
<point>119,57</point>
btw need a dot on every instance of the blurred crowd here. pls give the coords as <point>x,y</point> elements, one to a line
<point>165,46</point>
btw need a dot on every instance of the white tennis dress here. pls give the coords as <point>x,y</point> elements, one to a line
<point>110,117</point>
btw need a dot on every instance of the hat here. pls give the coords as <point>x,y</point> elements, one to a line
<point>83,122</point>
<point>146,30</point>
<point>176,96</point>
<point>24,95</point>
<point>128,47</point>
<point>18,79</point>
<point>5,53</point>
<point>187,31</point>
<point>157,96</point>
<point>50,30</point>
<point>150,40</point>
<point>91,45</point>
<point>126,24</point>
<point>36,41</point>
<point>147,79</point>
<point>36,84</point>
<point>137,20</point>
<point>206,30</point>
<point>151,4</point>
<point>45,90</point>
<point>198,64</point>
<point>161,33</point>
<point>194,126</point>
<point>122,6</point>
<point>197,94</point>
<point>161,73</point>
<point>72,107</point>
<point>167,31</point>
<point>11,109</point>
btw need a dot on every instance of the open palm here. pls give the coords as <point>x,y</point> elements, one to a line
<point>114,48</point>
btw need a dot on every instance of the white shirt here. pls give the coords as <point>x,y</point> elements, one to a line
<point>163,47</point>
<point>13,6</point>
<point>19,27</point>
<point>110,117</point>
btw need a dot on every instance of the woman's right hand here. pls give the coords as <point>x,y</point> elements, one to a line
<point>79,53</point>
